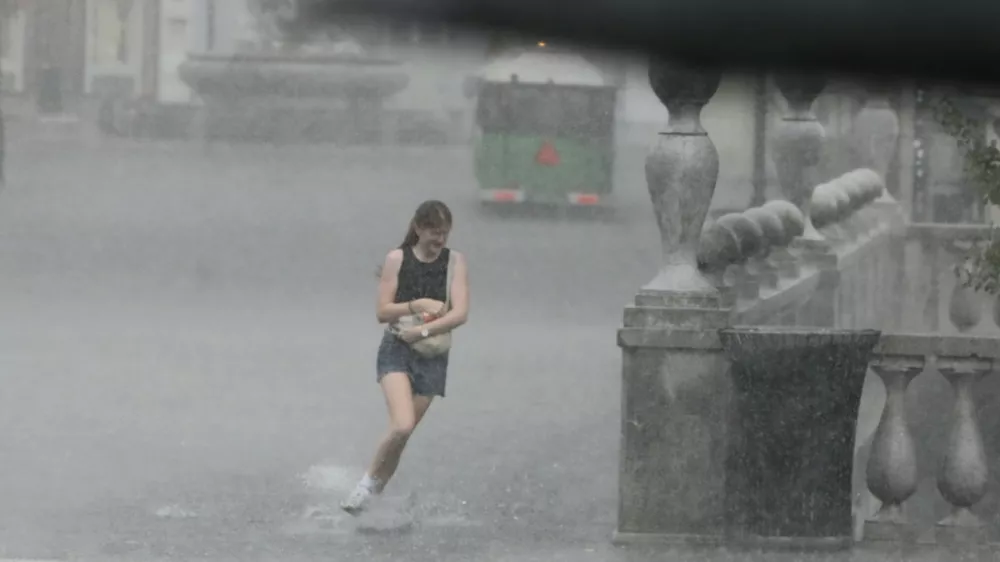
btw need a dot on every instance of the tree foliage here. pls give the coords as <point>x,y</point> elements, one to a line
<point>981,269</point>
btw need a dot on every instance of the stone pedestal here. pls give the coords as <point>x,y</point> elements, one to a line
<point>675,393</point>
<point>675,404</point>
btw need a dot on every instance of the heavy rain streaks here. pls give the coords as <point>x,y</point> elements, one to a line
<point>187,246</point>
<point>189,353</point>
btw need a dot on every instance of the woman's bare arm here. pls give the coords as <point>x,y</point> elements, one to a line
<point>459,312</point>
<point>387,311</point>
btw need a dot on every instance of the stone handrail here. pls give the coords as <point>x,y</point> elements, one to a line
<point>770,265</point>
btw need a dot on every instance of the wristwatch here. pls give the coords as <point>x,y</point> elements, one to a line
<point>424,333</point>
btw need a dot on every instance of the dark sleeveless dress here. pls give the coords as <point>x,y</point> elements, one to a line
<point>417,280</point>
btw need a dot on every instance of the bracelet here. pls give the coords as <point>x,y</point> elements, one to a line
<point>409,306</point>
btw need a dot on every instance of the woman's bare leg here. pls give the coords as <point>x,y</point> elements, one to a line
<point>405,412</point>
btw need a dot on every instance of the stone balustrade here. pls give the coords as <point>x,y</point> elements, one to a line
<point>766,318</point>
<point>940,311</point>
<point>936,249</point>
<point>892,473</point>
<point>762,270</point>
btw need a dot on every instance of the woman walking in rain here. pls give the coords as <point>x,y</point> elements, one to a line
<point>423,295</point>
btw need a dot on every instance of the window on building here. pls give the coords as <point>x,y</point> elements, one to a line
<point>110,31</point>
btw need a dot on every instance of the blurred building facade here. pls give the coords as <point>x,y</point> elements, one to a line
<point>66,56</point>
<point>41,51</point>
<point>96,60</point>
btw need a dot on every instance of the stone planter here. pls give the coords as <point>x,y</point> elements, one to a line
<point>790,454</point>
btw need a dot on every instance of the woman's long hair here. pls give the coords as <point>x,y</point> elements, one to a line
<point>430,214</point>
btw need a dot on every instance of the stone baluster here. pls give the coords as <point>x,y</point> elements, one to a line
<point>824,211</point>
<point>854,194</point>
<point>773,237</point>
<point>751,240</point>
<point>793,223</point>
<point>881,198</point>
<point>681,173</point>
<point>876,132</point>
<point>964,473</point>
<point>718,248</point>
<point>892,464</point>
<point>798,141</point>
<point>964,308</point>
<point>869,188</point>
<point>860,195</point>
<point>996,311</point>
<point>839,230</point>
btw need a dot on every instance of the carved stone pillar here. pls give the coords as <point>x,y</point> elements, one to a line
<point>681,173</point>
<point>875,133</point>
<point>964,471</point>
<point>892,465</point>
<point>799,137</point>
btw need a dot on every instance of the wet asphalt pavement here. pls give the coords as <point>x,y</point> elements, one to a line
<point>188,360</point>
<point>188,357</point>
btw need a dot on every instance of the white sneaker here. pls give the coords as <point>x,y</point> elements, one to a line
<point>357,501</point>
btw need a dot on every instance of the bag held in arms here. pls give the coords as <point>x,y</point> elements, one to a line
<point>437,344</point>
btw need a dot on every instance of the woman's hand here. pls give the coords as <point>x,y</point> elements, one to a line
<point>410,335</point>
<point>428,306</point>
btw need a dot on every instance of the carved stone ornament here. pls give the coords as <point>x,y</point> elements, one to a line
<point>964,473</point>
<point>798,138</point>
<point>891,473</point>
<point>875,132</point>
<point>681,173</point>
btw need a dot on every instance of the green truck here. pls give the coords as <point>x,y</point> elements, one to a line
<point>546,123</point>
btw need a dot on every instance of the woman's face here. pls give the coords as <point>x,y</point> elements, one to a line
<point>433,239</point>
